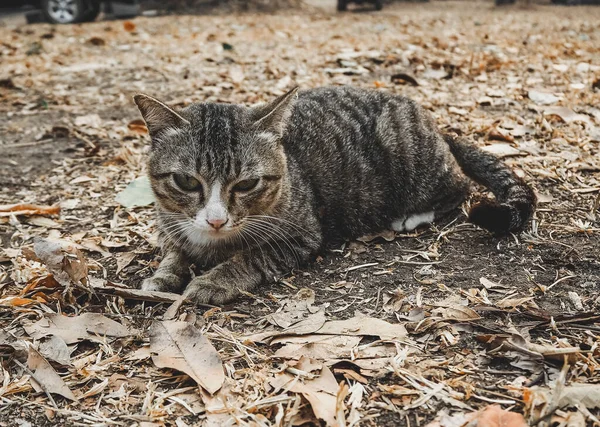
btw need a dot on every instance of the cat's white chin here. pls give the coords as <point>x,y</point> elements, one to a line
<point>198,237</point>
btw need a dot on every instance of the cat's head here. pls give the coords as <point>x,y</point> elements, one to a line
<point>215,166</point>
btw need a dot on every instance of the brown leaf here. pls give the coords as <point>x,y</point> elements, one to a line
<point>320,392</point>
<point>128,26</point>
<point>28,209</point>
<point>88,326</point>
<point>63,259</point>
<point>138,126</point>
<point>364,326</point>
<point>491,416</point>
<point>502,150</point>
<point>46,377</point>
<point>567,115</point>
<point>181,346</point>
<point>55,348</point>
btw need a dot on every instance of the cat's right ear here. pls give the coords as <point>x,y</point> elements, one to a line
<point>158,116</point>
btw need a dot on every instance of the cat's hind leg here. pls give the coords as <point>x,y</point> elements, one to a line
<point>410,222</point>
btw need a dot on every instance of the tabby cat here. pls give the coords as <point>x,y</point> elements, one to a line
<point>249,193</point>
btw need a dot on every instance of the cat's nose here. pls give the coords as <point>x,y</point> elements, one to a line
<point>217,223</point>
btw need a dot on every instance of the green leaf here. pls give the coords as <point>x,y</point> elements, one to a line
<point>137,193</point>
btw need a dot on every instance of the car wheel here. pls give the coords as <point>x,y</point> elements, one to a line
<point>342,5</point>
<point>70,11</point>
<point>378,4</point>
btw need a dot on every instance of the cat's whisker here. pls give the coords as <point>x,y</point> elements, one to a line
<point>288,222</point>
<point>258,233</point>
<point>278,232</point>
<point>257,242</point>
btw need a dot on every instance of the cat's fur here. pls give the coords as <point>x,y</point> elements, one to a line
<point>334,163</point>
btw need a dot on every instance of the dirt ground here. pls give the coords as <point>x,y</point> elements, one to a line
<point>472,320</point>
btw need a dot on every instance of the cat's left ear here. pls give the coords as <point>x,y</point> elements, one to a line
<point>158,116</point>
<point>274,116</point>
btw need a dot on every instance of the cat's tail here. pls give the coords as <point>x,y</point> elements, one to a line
<point>515,200</point>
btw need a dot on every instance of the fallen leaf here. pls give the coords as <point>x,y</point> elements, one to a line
<point>63,259</point>
<point>567,115</point>
<point>137,193</point>
<point>181,346</point>
<point>138,126</point>
<point>128,26</point>
<point>587,395</point>
<point>124,259</point>
<point>491,416</point>
<point>45,377</point>
<point>502,150</point>
<point>542,98</point>
<point>364,326</point>
<point>55,348</point>
<point>28,209</point>
<point>320,391</point>
<point>88,326</point>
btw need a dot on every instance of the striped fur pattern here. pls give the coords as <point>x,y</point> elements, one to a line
<point>249,193</point>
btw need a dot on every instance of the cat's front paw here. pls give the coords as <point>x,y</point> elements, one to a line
<point>203,291</point>
<point>163,283</point>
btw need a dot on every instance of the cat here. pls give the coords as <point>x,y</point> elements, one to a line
<point>249,193</point>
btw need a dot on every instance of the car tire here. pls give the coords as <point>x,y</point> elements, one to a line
<point>378,4</point>
<point>342,5</point>
<point>70,11</point>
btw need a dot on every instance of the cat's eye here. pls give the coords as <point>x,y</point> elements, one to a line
<point>187,182</point>
<point>245,185</point>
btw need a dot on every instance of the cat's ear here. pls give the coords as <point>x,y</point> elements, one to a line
<point>158,116</point>
<point>273,117</point>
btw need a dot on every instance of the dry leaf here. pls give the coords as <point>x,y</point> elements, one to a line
<point>587,395</point>
<point>46,377</point>
<point>28,209</point>
<point>181,346</point>
<point>364,326</point>
<point>567,115</point>
<point>502,150</point>
<point>542,98</point>
<point>88,326</point>
<point>128,26</point>
<point>320,392</point>
<point>63,259</point>
<point>55,348</point>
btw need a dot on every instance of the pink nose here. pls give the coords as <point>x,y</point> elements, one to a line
<point>217,223</point>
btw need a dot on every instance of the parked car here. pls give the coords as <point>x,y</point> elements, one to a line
<point>343,4</point>
<point>73,11</point>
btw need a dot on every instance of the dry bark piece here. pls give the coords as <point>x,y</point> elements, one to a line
<point>88,326</point>
<point>138,294</point>
<point>181,346</point>
<point>45,377</point>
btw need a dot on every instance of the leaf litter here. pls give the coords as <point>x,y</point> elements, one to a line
<point>443,325</point>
